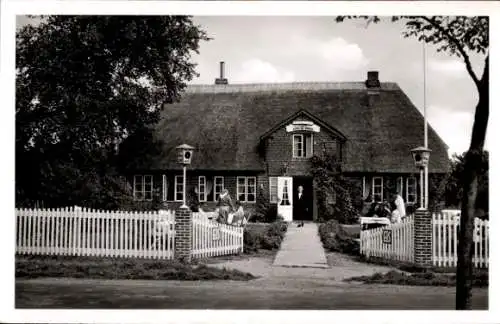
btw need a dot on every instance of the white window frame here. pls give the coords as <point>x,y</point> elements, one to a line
<point>143,187</point>
<point>400,181</point>
<point>215,187</point>
<point>408,191</point>
<point>202,195</point>
<point>246,186</point>
<point>303,146</point>
<point>181,183</point>
<point>381,188</point>
<point>271,185</point>
<point>294,150</point>
<point>164,187</point>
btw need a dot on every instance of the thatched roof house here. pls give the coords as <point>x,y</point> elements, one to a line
<point>252,135</point>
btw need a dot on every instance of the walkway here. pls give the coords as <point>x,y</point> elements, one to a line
<point>301,247</point>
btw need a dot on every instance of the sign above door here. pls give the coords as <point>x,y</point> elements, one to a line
<point>302,126</point>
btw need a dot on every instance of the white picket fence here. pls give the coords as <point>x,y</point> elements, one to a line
<point>85,232</point>
<point>213,239</point>
<point>445,233</point>
<point>400,236</point>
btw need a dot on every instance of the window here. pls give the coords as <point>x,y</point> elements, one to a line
<point>245,189</point>
<point>179,188</point>
<point>202,188</point>
<point>411,190</point>
<point>143,187</point>
<point>273,190</point>
<point>218,187</point>
<point>285,200</point>
<point>302,145</point>
<point>399,186</point>
<point>378,189</point>
<point>164,187</point>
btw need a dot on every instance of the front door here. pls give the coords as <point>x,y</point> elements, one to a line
<point>303,202</point>
<point>285,198</point>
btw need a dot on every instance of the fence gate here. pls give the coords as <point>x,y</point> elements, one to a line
<point>213,239</point>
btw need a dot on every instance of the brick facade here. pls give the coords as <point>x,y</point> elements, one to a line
<point>422,238</point>
<point>183,234</point>
<point>279,149</point>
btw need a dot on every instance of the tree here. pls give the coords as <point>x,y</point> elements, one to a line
<point>86,83</point>
<point>453,189</point>
<point>460,37</point>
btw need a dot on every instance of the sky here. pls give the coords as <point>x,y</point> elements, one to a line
<point>294,49</point>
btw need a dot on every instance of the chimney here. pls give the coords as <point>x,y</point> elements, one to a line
<point>372,80</point>
<point>222,79</point>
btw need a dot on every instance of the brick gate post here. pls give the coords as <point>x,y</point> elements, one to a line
<point>183,234</point>
<point>422,238</point>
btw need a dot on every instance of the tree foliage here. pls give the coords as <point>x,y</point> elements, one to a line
<point>86,83</point>
<point>459,36</point>
<point>336,196</point>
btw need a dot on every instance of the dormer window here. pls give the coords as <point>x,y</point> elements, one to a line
<point>302,145</point>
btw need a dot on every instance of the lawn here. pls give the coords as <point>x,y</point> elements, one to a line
<point>426,278</point>
<point>118,268</point>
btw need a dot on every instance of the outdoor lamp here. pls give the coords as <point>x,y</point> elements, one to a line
<point>184,156</point>
<point>421,156</point>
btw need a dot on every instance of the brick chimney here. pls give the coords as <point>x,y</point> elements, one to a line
<point>221,79</point>
<point>372,80</point>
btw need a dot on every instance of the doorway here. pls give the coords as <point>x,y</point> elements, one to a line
<point>303,207</point>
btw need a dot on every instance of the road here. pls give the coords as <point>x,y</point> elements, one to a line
<point>256,294</point>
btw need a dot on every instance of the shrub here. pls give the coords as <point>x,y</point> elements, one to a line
<point>265,237</point>
<point>337,198</point>
<point>336,239</point>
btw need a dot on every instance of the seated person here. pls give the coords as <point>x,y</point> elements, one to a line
<point>225,206</point>
<point>238,217</point>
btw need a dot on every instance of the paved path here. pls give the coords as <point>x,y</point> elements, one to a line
<point>260,294</point>
<point>301,247</point>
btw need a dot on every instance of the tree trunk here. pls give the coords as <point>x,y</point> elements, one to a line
<point>471,166</point>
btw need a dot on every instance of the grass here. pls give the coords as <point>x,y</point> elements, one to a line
<point>114,268</point>
<point>427,278</point>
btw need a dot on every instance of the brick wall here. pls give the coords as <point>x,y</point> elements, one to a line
<point>422,234</point>
<point>279,152</point>
<point>183,234</point>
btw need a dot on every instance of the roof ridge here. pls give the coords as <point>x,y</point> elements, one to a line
<point>284,86</point>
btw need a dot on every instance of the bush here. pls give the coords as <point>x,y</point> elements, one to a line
<point>263,237</point>
<point>336,239</point>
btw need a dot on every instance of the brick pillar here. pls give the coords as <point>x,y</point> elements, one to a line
<point>183,233</point>
<point>422,238</point>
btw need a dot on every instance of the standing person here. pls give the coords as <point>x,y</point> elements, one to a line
<point>301,207</point>
<point>225,205</point>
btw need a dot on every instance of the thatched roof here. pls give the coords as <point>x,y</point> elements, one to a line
<point>225,123</point>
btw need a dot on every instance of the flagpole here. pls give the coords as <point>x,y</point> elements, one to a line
<point>426,169</point>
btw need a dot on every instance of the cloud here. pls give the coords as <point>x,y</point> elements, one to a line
<point>333,53</point>
<point>447,66</point>
<point>340,54</point>
<point>257,70</point>
<point>454,127</point>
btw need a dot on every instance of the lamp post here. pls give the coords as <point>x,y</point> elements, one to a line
<point>421,157</point>
<point>184,156</point>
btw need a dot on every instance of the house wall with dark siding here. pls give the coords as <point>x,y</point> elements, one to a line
<point>230,179</point>
<point>279,152</point>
